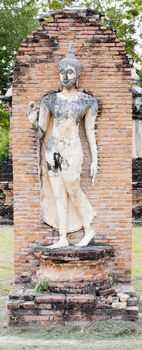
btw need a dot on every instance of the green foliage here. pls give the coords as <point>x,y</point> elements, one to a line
<point>42,286</point>
<point>38,287</point>
<point>139,72</point>
<point>4,119</point>
<point>54,5</point>
<point>4,144</point>
<point>124,16</point>
<point>17,19</point>
<point>4,134</point>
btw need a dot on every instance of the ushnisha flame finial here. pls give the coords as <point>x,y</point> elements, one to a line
<point>71,60</point>
<point>70,50</point>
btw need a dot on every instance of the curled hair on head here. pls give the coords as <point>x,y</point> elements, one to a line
<point>71,60</point>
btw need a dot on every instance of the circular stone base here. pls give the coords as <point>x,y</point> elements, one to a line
<point>74,269</point>
<point>91,252</point>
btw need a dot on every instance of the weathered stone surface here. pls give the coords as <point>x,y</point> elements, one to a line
<point>45,298</point>
<point>137,189</point>
<point>137,176</point>
<point>80,298</point>
<point>132,301</point>
<point>132,310</point>
<point>64,205</point>
<point>106,292</point>
<point>16,293</point>
<point>74,269</point>
<point>6,193</point>
<point>91,252</point>
<point>123,297</point>
<point>14,304</point>
<point>119,305</point>
<point>23,279</point>
<point>126,288</point>
<point>131,313</point>
<point>109,300</point>
<point>65,308</point>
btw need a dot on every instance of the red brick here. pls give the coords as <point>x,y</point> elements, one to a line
<point>101,75</point>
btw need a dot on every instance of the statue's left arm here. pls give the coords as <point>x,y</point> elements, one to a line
<point>39,123</point>
<point>90,119</point>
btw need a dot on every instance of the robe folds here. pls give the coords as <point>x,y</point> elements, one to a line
<point>60,155</point>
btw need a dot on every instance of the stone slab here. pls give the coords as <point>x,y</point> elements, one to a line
<point>91,252</point>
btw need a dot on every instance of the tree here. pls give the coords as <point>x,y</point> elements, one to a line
<point>4,135</point>
<point>52,5</point>
<point>125,16</point>
<point>17,19</point>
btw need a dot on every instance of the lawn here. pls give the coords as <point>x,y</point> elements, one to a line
<point>6,259</point>
<point>137,258</point>
<point>102,335</point>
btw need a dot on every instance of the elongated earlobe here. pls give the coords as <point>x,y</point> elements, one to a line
<point>76,84</point>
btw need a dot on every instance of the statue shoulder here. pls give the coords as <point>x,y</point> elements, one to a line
<point>90,99</point>
<point>48,99</point>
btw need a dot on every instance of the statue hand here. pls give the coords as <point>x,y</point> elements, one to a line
<point>32,113</point>
<point>93,171</point>
<point>32,106</point>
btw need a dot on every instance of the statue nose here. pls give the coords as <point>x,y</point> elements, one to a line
<point>65,76</point>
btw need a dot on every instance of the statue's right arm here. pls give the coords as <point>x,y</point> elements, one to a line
<point>39,123</point>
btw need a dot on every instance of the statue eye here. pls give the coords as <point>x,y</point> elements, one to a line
<point>62,71</point>
<point>70,71</point>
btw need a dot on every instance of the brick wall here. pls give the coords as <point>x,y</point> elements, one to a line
<point>105,73</point>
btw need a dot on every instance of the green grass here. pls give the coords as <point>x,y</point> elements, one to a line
<point>4,144</point>
<point>97,345</point>
<point>6,259</point>
<point>97,331</point>
<point>101,335</point>
<point>137,258</point>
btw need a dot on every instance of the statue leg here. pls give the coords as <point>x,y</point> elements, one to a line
<point>84,209</point>
<point>60,194</point>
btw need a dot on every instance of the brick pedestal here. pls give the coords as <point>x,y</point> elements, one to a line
<point>74,270</point>
<point>29,308</point>
<point>71,285</point>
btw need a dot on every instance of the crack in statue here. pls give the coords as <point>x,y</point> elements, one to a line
<point>63,203</point>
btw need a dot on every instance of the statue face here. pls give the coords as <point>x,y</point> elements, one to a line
<point>68,76</point>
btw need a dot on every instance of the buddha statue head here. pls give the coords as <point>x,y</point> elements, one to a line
<point>69,69</point>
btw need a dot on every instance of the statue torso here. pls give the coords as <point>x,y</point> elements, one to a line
<point>64,138</point>
<point>62,109</point>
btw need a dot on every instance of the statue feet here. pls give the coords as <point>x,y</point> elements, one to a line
<point>62,243</point>
<point>89,234</point>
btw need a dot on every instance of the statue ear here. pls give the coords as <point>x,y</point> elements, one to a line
<point>76,84</point>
